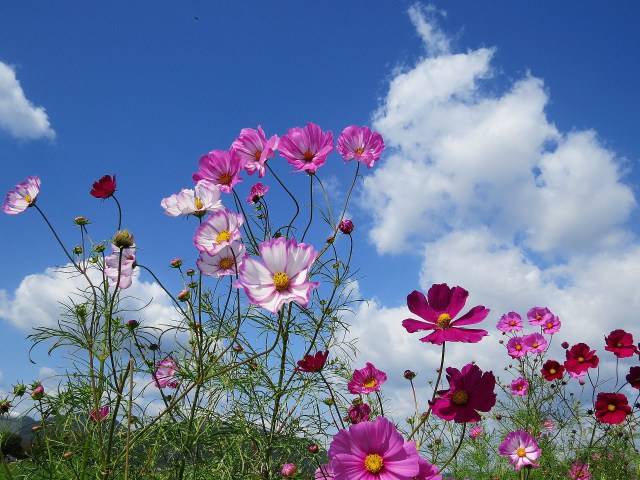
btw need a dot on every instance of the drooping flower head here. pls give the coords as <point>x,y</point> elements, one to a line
<point>257,192</point>
<point>580,359</point>
<point>439,311</point>
<point>534,343</point>
<point>510,322</point>
<point>470,391</point>
<point>519,387</point>
<point>612,408</point>
<point>359,412</point>
<point>360,143</point>
<point>22,197</point>
<point>366,380</point>
<point>313,363</point>
<point>538,315</point>
<point>254,149</point>
<point>579,471</point>
<point>516,347</point>
<point>104,188</point>
<point>99,415</point>
<point>281,277</point>
<point>223,262</point>
<point>120,264</point>
<point>372,451</point>
<point>165,371</point>
<point>521,448</point>
<point>204,198</point>
<point>427,471</point>
<point>620,343</point>
<point>552,370</point>
<point>475,432</point>
<point>551,325</point>
<point>306,148</point>
<point>220,229</point>
<point>220,167</point>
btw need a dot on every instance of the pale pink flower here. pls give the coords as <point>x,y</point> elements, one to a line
<point>224,262</point>
<point>254,149</point>
<point>23,197</point>
<point>257,192</point>
<point>221,168</point>
<point>521,448</point>
<point>204,198</point>
<point>519,387</point>
<point>220,229</point>
<point>124,263</point>
<point>534,343</point>
<point>579,471</point>
<point>165,371</point>
<point>306,148</point>
<point>324,472</point>
<point>549,424</point>
<point>282,278</point>
<point>360,143</point>
<point>99,415</point>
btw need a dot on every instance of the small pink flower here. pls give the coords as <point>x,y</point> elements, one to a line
<point>165,371</point>
<point>99,415</point>
<point>204,198</point>
<point>579,471</point>
<point>516,348</point>
<point>254,149</point>
<point>551,325</point>
<point>257,192</point>
<point>23,197</point>
<point>549,425</point>
<point>510,322</point>
<point>221,168</point>
<point>534,343</point>
<point>519,387</point>
<point>538,315</point>
<point>306,148</point>
<point>224,262</point>
<point>475,432</point>
<point>366,380</point>
<point>289,470</point>
<point>521,448</point>
<point>219,230</point>
<point>360,143</point>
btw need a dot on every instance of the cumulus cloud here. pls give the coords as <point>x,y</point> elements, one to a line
<point>18,116</point>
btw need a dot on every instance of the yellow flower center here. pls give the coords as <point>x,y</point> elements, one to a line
<point>512,323</point>
<point>27,198</point>
<point>370,383</point>
<point>619,345</point>
<point>223,236</point>
<point>281,281</point>
<point>444,320</point>
<point>460,397</point>
<point>580,359</point>
<point>552,371</point>
<point>521,452</point>
<point>373,463</point>
<point>225,179</point>
<point>535,344</point>
<point>549,324</point>
<point>226,263</point>
<point>611,408</point>
<point>308,156</point>
<point>257,155</point>
<point>518,347</point>
<point>199,204</point>
<point>359,151</point>
<point>538,317</point>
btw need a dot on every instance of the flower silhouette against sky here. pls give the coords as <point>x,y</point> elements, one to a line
<point>104,188</point>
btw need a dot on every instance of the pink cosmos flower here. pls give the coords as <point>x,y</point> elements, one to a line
<point>359,413</point>
<point>313,363</point>
<point>510,322</point>
<point>516,348</point>
<point>99,415</point>
<point>519,387</point>
<point>221,168</point>
<point>580,359</point>
<point>254,149</point>
<point>324,472</point>
<point>427,471</point>
<point>165,371</point>
<point>612,408</point>
<point>366,380</point>
<point>23,197</point>
<point>439,310</point>
<point>306,148</point>
<point>360,143</point>
<point>125,263</point>
<point>220,229</point>
<point>204,198</point>
<point>475,432</point>
<point>282,278</point>
<point>579,471</point>
<point>469,391</point>
<point>223,262</point>
<point>551,325</point>
<point>257,192</point>
<point>620,343</point>
<point>534,343</point>
<point>104,188</point>
<point>549,425</point>
<point>538,315</point>
<point>521,448</point>
<point>373,451</point>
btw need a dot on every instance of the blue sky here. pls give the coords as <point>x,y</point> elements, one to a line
<point>512,166</point>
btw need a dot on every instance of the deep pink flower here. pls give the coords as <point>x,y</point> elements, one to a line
<point>516,348</point>
<point>23,197</point>
<point>552,325</point>
<point>538,315</point>
<point>552,370</point>
<point>366,380</point>
<point>124,262</point>
<point>223,262</point>
<point>580,359</point>
<point>633,377</point>
<point>257,192</point>
<point>104,188</point>
<point>346,226</point>
<point>204,198</point>
<point>611,408</point>
<point>313,363</point>
<point>220,229</point>
<point>165,371</point>
<point>306,148</point>
<point>470,391</point>
<point>427,471</point>
<point>99,415</point>
<point>360,143</point>
<point>534,343</point>
<point>282,278</point>
<point>254,149</point>
<point>220,167</point>
<point>289,470</point>
<point>521,448</point>
<point>373,451</point>
<point>359,413</point>
<point>620,343</point>
<point>439,310</point>
<point>475,432</point>
<point>519,387</point>
<point>579,471</point>
<point>510,322</point>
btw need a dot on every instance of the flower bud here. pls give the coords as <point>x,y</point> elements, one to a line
<point>191,272</point>
<point>19,390</point>
<point>132,324</point>
<point>123,239</point>
<point>313,448</point>
<point>184,295</point>
<point>331,239</point>
<point>409,375</point>
<point>238,348</point>
<point>38,392</point>
<point>565,345</point>
<point>77,250</point>
<point>101,247</point>
<point>66,455</point>
<point>192,285</point>
<point>153,346</point>
<point>289,470</point>
<point>81,221</point>
<point>328,401</point>
<point>36,428</point>
<point>4,407</point>
<point>175,263</point>
<point>346,226</point>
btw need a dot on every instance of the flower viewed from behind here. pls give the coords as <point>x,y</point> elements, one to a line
<point>633,377</point>
<point>579,471</point>
<point>539,315</point>
<point>306,148</point>
<point>516,347</point>
<point>534,343</point>
<point>580,358</point>
<point>427,471</point>
<point>366,380</point>
<point>359,412</point>
<point>254,149</point>
<point>223,262</point>
<point>257,192</point>
<point>204,198</point>
<point>281,277</point>
<point>118,267</point>
<point>519,387</point>
<point>360,143</point>
<point>510,322</point>
<point>104,188</point>
<point>372,451</point>
<point>438,310</point>
<point>99,415</point>
<point>220,229</point>
<point>620,343</point>
<point>313,363</point>
<point>469,391</point>
<point>165,371</point>
<point>611,408</point>
<point>220,167</point>
<point>22,197</point>
<point>552,370</point>
<point>475,432</point>
<point>521,448</point>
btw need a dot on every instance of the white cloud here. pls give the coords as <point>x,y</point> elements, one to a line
<point>18,116</point>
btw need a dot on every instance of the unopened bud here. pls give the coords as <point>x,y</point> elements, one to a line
<point>184,295</point>
<point>409,375</point>
<point>313,448</point>
<point>131,324</point>
<point>346,226</point>
<point>77,250</point>
<point>81,221</point>
<point>191,272</point>
<point>101,247</point>
<point>123,239</point>
<point>19,390</point>
<point>175,263</point>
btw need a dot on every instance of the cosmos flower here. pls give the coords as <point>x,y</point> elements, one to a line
<point>220,167</point>
<point>516,348</point>
<point>469,391</point>
<point>257,192</point>
<point>313,363</point>
<point>366,380</point>
<point>475,432</point>
<point>254,149</point>
<point>620,343</point>
<point>281,277</point>
<point>346,226</point>
<point>580,359</point>
<point>510,322</point>
<point>633,377</point>
<point>124,262</point>
<point>552,370</point>
<point>99,415</point>
<point>552,325</point>
<point>204,198</point>
<point>104,188</point>
<point>579,471</point>
<point>427,471</point>
<point>223,262</point>
<point>324,472</point>
<point>165,371</point>
<point>521,448</point>
<point>519,387</point>
<point>538,315</point>
<point>439,310</point>
<point>534,343</point>
<point>306,148</point>
<point>373,451</point>
<point>23,197</point>
<point>359,413</point>
<point>38,392</point>
<point>611,408</point>
<point>549,425</point>
<point>360,143</point>
<point>220,229</point>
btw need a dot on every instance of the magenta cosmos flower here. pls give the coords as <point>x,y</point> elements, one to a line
<point>470,391</point>
<point>475,432</point>
<point>306,148</point>
<point>359,412</point>
<point>633,377</point>
<point>224,262</point>
<point>580,358</point>
<point>534,343</point>
<point>165,371</point>
<point>612,408</point>
<point>427,471</point>
<point>366,380</point>
<point>373,451</point>
<point>23,197</point>
<point>257,192</point>
<point>99,415</point>
<point>254,149</point>
<point>538,315</point>
<point>439,310</point>
<point>282,278</point>
<point>360,143</point>
<point>104,188</point>
<point>519,387</point>
<point>521,448</point>
<point>510,322</point>
<point>620,343</point>
<point>289,470</point>
<point>551,325</point>
<point>313,363</point>
<point>516,348</point>
<point>219,230</point>
<point>324,472</point>
<point>204,198</point>
<point>220,167</point>
<point>579,471</point>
